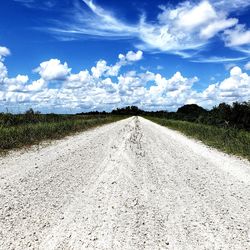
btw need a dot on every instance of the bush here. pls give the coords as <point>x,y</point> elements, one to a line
<point>28,134</point>
<point>226,139</point>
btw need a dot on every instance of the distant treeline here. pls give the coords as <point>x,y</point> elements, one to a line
<point>33,117</point>
<point>224,115</point>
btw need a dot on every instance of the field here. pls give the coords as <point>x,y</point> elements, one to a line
<point>26,129</point>
<point>229,140</point>
<point>31,128</point>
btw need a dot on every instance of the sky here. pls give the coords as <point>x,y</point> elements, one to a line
<point>68,56</point>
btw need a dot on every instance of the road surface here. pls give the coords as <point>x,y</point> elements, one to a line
<point>128,185</point>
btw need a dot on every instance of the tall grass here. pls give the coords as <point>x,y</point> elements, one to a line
<point>229,140</point>
<point>28,134</point>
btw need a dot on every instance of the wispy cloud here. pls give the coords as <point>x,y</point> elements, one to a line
<point>46,4</point>
<point>238,36</point>
<point>216,59</point>
<point>238,5</point>
<point>184,30</point>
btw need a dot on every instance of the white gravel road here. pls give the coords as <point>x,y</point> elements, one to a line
<point>128,185</point>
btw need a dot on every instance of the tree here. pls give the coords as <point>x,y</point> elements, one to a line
<point>190,112</point>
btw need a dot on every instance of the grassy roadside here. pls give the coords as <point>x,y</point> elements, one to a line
<point>229,140</point>
<point>28,134</point>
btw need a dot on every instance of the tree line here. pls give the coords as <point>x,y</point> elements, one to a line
<point>236,115</point>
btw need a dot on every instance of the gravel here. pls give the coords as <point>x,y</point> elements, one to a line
<point>131,184</point>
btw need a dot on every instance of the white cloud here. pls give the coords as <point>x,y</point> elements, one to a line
<point>99,69</point>
<point>36,85</point>
<point>102,69</point>
<point>44,5</point>
<point>229,66</point>
<point>238,36</point>
<point>3,72</point>
<point>247,66</point>
<point>19,79</point>
<point>75,81</point>
<point>4,52</point>
<point>53,70</point>
<point>191,17</point>
<point>216,59</point>
<point>16,83</point>
<point>159,67</point>
<point>234,88</point>
<point>238,5</point>
<point>183,30</point>
<point>132,56</point>
<point>219,25</point>
<point>96,89</point>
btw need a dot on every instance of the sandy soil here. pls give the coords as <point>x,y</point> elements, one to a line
<point>128,185</point>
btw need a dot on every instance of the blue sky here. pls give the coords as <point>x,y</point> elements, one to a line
<point>80,55</point>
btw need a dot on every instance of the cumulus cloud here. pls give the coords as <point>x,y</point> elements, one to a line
<point>237,85</point>
<point>247,66</point>
<point>17,83</point>
<point>75,81</point>
<point>99,69</point>
<point>4,52</point>
<point>100,89</point>
<point>14,84</point>
<point>234,88</point>
<point>184,15</point>
<point>53,70</point>
<point>102,68</point>
<point>3,72</point>
<point>36,85</point>
<point>132,56</point>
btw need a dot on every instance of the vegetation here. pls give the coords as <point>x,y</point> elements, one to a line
<point>226,127</point>
<point>31,128</point>
<point>235,116</point>
<point>32,117</point>
<point>229,140</point>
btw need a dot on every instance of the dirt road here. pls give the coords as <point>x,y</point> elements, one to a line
<point>128,185</point>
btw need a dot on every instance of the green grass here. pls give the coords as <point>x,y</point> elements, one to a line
<point>28,134</point>
<point>229,140</point>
